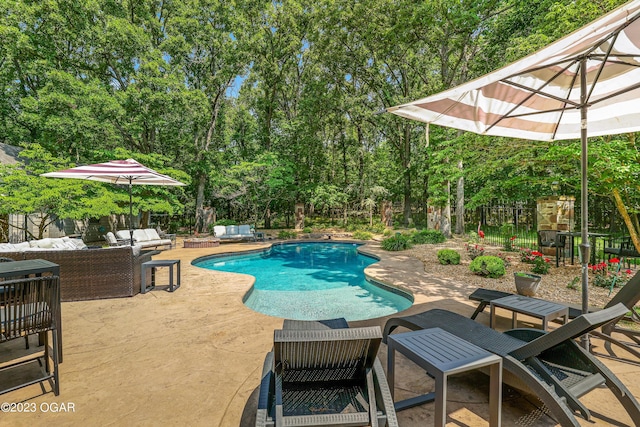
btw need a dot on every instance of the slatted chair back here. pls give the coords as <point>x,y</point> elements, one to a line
<point>575,328</point>
<point>325,355</point>
<point>28,306</point>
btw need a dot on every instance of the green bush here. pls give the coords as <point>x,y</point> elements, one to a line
<point>362,235</point>
<point>286,234</point>
<point>307,230</point>
<point>399,242</point>
<point>488,266</point>
<point>448,256</point>
<point>225,222</point>
<point>428,236</point>
<point>378,227</point>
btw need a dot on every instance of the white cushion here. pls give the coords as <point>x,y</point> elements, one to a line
<point>140,236</point>
<point>152,234</point>
<point>45,243</point>
<point>79,243</point>
<point>123,234</point>
<point>21,246</point>
<point>219,230</point>
<point>70,245</point>
<point>7,247</point>
<point>232,229</point>
<point>245,230</point>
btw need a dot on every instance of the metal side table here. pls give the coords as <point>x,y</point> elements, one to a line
<point>534,307</point>
<point>442,354</point>
<point>153,265</point>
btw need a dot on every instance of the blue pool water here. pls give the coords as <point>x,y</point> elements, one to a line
<point>312,281</point>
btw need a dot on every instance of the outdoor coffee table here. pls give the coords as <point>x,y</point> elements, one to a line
<point>153,265</point>
<point>534,307</point>
<point>442,354</point>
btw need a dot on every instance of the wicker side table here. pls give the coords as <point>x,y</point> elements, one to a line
<point>209,242</point>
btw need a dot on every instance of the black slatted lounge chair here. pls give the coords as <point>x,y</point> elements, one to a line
<point>551,365</point>
<point>629,295</point>
<point>316,375</point>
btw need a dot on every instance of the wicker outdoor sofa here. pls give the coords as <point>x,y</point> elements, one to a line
<point>87,274</point>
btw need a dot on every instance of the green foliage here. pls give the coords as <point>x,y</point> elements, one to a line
<point>428,236</point>
<point>541,265</point>
<point>362,235</point>
<point>287,234</point>
<point>488,266</point>
<point>307,230</point>
<point>387,232</point>
<point>397,242</point>
<point>448,256</point>
<point>225,222</point>
<point>474,251</point>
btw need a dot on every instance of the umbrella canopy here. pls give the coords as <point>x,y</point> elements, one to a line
<point>546,96</point>
<point>540,97</point>
<point>118,172</point>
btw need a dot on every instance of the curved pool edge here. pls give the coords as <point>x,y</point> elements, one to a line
<point>365,247</point>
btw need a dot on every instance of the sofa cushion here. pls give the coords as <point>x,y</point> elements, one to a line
<point>140,236</point>
<point>219,230</point>
<point>21,246</point>
<point>152,234</point>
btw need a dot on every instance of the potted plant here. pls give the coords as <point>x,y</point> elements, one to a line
<point>527,283</point>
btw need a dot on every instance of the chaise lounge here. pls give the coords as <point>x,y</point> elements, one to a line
<point>629,295</point>
<point>549,365</point>
<point>317,375</point>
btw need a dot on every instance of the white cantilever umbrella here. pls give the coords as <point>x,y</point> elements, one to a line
<point>118,172</point>
<point>546,96</point>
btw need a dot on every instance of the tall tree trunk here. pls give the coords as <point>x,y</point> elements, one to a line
<point>460,202</point>
<point>406,156</point>
<point>202,179</point>
<point>202,175</point>
<point>627,219</point>
<point>445,219</point>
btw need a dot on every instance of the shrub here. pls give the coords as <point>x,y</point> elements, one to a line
<point>307,230</point>
<point>399,242</point>
<point>473,237</point>
<point>378,227</point>
<point>448,256</point>
<point>362,235</point>
<point>488,266</point>
<point>387,232</point>
<point>474,251</point>
<point>286,234</point>
<point>428,236</point>
<point>541,265</point>
<point>225,222</point>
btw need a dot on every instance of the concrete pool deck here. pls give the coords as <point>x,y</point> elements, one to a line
<point>194,357</point>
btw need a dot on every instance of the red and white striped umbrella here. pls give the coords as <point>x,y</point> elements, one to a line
<point>127,172</point>
<point>116,172</point>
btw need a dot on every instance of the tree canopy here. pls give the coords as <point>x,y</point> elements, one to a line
<point>259,105</point>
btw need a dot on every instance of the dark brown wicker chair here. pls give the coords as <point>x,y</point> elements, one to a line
<point>27,307</point>
<point>550,365</point>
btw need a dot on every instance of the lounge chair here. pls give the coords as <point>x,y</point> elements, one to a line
<point>551,365</point>
<point>317,375</point>
<point>112,240</point>
<point>629,295</point>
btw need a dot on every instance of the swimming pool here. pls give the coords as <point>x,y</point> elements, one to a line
<point>312,281</point>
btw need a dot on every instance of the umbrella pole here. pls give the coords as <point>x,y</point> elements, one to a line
<point>585,249</point>
<point>130,215</point>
